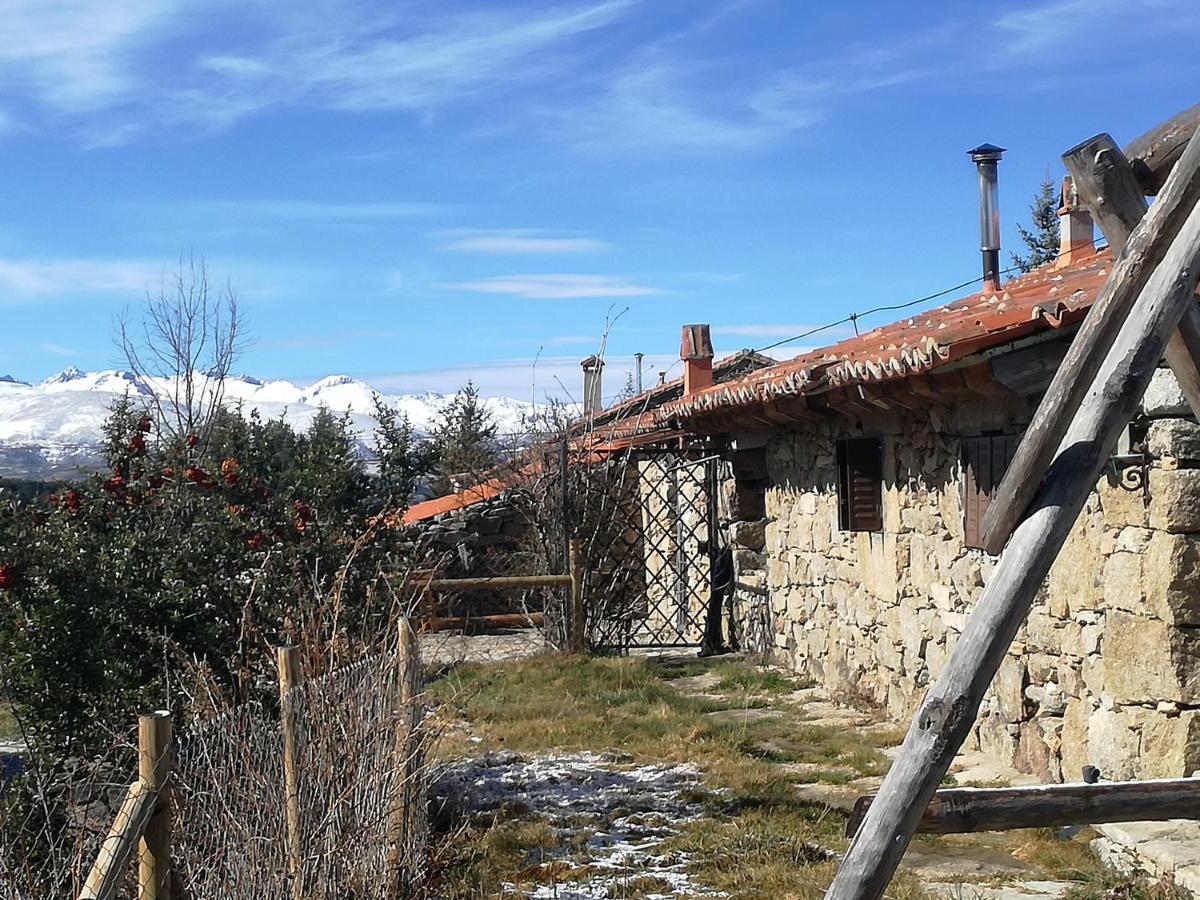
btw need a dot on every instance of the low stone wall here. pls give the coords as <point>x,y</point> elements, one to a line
<point>1107,669</point>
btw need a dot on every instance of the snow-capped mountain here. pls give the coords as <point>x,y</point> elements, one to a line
<point>53,429</point>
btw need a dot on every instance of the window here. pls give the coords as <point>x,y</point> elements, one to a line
<point>860,484</point>
<point>985,460</point>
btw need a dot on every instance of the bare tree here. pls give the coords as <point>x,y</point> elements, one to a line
<point>184,345</point>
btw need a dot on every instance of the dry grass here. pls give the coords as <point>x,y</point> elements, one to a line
<point>761,839</point>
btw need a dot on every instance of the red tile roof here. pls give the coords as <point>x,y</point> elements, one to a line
<point>1046,298</point>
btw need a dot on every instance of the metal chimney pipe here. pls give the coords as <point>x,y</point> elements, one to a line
<point>637,359</point>
<point>986,157</point>
<point>592,368</point>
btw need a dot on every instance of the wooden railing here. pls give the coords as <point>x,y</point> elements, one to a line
<point>575,610</point>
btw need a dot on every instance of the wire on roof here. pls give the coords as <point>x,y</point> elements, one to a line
<point>854,317</point>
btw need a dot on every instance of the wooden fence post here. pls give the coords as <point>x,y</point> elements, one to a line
<point>155,761</point>
<point>290,676</point>
<point>578,612</point>
<point>406,816</point>
<point>948,711</point>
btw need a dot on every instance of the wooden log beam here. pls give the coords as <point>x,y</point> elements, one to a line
<point>109,870</point>
<point>497,583</point>
<point>963,810</point>
<point>1110,189</point>
<point>1154,153</point>
<point>945,716</point>
<point>1092,165</point>
<point>481,623</point>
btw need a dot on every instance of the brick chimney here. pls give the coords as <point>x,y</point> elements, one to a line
<point>1077,232</point>
<point>592,369</point>
<point>695,349</point>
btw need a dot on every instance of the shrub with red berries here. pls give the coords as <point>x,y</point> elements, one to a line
<point>175,552</point>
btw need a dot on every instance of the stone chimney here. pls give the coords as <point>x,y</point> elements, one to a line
<point>1077,232</point>
<point>592,368</point>
<point>695,349</point>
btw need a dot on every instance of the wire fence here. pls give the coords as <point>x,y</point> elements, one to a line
<point>357,776</point>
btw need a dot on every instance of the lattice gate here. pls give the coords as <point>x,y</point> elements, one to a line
<point>655,589</point>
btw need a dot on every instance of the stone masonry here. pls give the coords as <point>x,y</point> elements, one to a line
<point>1107,669</point>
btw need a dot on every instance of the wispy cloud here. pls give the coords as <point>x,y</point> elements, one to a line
<point>517,242</point>
<point>365,64</point>
<point>1059,24</point>
<point>557,287</point>
<point>25,280</point>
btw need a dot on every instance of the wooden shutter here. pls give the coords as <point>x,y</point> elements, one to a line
<point>985,460</point>
<point>860,484</point>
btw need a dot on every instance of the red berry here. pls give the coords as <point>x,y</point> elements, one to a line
<point>137,445</point>
<point>192,440</point>
<point>8,576</point>
<point>144,424</point>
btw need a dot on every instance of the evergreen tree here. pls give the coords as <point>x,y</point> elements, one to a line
<point>464,441</point>
<point>1042,240</point>
<point>403,458</point>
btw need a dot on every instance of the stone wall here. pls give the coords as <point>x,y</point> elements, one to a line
<point>1107,669</point>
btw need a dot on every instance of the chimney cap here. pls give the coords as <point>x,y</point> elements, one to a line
<point>986,152</point>
<point>591,362</point>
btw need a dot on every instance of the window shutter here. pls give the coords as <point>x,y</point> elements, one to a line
<point>985,460</point>
<point>860,484</point>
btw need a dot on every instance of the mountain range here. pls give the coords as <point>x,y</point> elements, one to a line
<point>52,429</point>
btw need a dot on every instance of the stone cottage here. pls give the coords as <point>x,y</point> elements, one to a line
<point>860,474</point>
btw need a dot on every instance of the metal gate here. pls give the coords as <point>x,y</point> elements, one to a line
<point>656,588</point>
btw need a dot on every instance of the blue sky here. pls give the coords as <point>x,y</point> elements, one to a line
<point>420,192</point>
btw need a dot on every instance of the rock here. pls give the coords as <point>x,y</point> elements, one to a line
<point>1171,577</point>
<point>750,535</point>
<point>1178,438</point>
<point>1175,499</point>
<point>1148,660</point>
<point>1170,744</point>
<point>1163,396</point>
<point>1112,744</point>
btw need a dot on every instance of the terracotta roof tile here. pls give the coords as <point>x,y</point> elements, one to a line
<point>1045,298</point>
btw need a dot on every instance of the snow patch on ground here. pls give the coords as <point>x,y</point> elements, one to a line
<point>619,814</point>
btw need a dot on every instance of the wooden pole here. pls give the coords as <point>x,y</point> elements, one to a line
<point>578,611</point>
<point>949,709</point>
<point>155,761</point>
<point>290,676</point>
<point>109,870</point>
<point>1155,152</point>
<point>963,810</point>
<point>406,817</point>
<point>1095,163</point>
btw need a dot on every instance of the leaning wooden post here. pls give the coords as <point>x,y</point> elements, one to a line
<point>290,676</point>
<point>406,819</point>
<point>578,610</point>
<point>949,709</point>
<point>1147,246</point>
<point>155,762</point>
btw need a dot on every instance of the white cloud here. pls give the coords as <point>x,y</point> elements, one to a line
<point>1063,24</point>
<point>23,280</point>
<point>72,55</point>
<point>517,242</point>
<point>557,287</point>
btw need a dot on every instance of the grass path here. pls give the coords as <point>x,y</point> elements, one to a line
<point>758,828</point>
